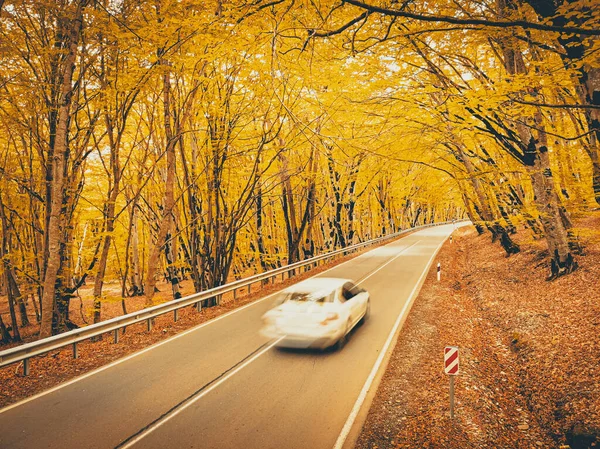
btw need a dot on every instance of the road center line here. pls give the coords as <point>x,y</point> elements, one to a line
<point>387,263</point>
<point>193,398</point>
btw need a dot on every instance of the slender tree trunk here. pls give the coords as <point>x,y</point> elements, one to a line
<point>171,254</point>
<point>36,309</point>
<point>194,207</point>
<point>259,230</point>
<point>12,287</point>
<point>498,231</point>
<point>99,280</point>
<point>4,334</point>
<point>169,203</point>
<point>78,265</point>
<point>537,163</point>
<point>12,297</point>
<point>136,281</point>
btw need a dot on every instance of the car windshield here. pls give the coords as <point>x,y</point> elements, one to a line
<point>318,297</point>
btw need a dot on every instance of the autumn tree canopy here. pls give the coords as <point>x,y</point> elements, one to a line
<point>208,140</point>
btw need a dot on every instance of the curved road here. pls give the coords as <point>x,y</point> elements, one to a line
<point>222,385</point>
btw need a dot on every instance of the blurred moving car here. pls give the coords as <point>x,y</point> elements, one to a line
<point>317,313</point>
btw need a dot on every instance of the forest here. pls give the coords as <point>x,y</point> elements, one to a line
<point>207,140</point>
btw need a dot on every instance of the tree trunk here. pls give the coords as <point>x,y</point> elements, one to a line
<point>195,211</point>
<point>171,254</point>
<point>136,281</point>
<point>59,162</point>
<point>12,287</point>
<point>497,230</point>
<point>548,205</point>
<point>4,334</point>
<point>537,162</point>
<point>169,203</point>
<point>586,81</point>
<point>259,230</point>
<point>12,296</point>
<point>99,280</point>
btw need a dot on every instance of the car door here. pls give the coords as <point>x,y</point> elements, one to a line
<point>345,310</point>
<point>353,301</point>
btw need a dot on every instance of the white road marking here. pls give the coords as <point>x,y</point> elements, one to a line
<point>160,343</point>
<point>200,395</point>
<point>387,263</point>
<point>366,387</point>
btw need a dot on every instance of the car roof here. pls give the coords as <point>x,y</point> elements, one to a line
<point>318,284</point>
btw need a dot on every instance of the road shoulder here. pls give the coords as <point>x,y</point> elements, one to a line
<point>508,322</point>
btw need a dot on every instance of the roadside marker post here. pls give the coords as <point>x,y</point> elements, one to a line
<point>439,271</point>
<point>451,368</point>
<point>450,238</point>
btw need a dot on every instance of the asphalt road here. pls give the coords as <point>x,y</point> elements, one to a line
<point>222,385</point>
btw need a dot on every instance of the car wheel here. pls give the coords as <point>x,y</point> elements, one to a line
<point>367,313</point>
<point>343,339</point>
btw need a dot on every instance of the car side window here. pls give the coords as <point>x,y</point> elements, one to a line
<point>356,290</point>
<point>347,292</point>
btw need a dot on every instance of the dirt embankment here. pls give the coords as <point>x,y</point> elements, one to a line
<point>529,351</point>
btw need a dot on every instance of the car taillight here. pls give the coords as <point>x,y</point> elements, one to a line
<point>331,316</point>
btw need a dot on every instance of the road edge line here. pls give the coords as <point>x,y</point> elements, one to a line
<point>353,426</point>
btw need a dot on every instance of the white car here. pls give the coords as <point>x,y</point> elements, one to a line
<point>316,313</point>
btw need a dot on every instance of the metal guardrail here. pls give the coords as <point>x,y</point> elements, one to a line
<point>36,348</point>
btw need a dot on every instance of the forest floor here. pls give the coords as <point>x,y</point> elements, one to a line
<point>59,366</point>
<point>529,352</point>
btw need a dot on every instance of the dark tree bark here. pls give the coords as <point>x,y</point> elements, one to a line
<point>587,81</point>
<point>5,336</point>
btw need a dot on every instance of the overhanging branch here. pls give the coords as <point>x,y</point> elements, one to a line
<point>481,22</point>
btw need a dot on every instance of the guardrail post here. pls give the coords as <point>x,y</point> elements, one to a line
<point>234,294</point>
<point>175,315</point>
<point>25,367</point>
<point>149,324</point>
<point>282,276</point>
<point>249,286</point>
<point>199,306</point>
<point>116,336</point>
<point>75,351</point>
<point>218,300</point>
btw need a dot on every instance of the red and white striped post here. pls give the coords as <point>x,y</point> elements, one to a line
<point>451,367</point>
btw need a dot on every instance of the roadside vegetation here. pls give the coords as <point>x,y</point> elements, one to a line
<point>529,353</point>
